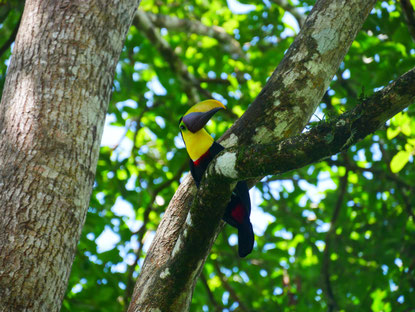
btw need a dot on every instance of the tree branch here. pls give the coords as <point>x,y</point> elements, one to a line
<point>293,92</point>
<point>230,290</point>
<point>326,139</point>
<point>174,280</point>
<point>218,306</point>
<point>409,14</point>
<point>325,266</point>
<point>143,229</point>
<point>187,80</point>
<point>229,44</point>
<point>240,163</point>
<point>282,109</point>
<point>293,10</point>
<point>11,39</point>
<point>215,80</point>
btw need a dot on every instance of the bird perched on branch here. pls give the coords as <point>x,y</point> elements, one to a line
<point>202,149</point>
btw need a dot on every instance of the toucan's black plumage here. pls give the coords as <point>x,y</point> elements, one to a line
<point>202,149</point>
<point>239,208</point>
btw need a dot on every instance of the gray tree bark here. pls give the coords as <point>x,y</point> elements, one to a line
<point>328,138</point>
<point>188,228</point>
<point>51,119</point>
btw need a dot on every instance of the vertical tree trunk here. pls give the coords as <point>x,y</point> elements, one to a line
<point>51,118</point>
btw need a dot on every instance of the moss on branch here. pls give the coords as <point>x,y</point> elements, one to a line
<point>328,137</point>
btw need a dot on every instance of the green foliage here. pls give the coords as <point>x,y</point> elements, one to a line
<point>402,124</point>
<point>312,234</point>
<point>10,12</point>
<point>370,258</point>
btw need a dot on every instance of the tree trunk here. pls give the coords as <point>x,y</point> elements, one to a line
<point>51,119</point>
<point>282,109</point>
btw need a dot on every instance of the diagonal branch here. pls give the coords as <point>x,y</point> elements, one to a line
<point>326,139</point>
<point>331,300</point>
<point>218,306</point>
<point>409,14</point>
<point>242,307</point>
<point>293,92</point>
<point>229,44</point>
<point>189,227</point>
<point>143,229</point>
<point>11,39</point>
<point>293,10</point>
<point>187,80</point>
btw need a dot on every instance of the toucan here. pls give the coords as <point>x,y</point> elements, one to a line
<point>202,149</point>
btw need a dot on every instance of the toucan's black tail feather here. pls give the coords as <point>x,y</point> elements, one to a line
<point>246,238</point>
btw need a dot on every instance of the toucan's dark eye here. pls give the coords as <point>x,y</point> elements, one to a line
<point>182,127</point>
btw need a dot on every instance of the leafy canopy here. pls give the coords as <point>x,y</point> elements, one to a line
<point>337,233</point>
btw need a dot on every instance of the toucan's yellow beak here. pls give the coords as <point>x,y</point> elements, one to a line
<point>205,106</point>
<point>198,115</point>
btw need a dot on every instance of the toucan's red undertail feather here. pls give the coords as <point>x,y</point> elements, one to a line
<point>238,213</point>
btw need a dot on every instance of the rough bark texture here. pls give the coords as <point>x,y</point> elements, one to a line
<point>295,89</point>
<point>326,139</point>
<point>172,285</point>
<point>51,118</point>
<point>282,109</point>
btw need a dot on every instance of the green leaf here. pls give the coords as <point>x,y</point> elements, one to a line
<point>399,161</point>
<point>378,305</point>
<point>392,132</point>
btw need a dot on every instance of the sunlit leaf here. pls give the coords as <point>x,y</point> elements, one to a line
<point>399,161</point>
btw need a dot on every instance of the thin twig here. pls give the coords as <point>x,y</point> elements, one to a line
<point>286,282</point>
<point>215,80</point>
<point>143,229</point>
<point>377,172</point>
<point>188,81</point>
<point>409,14</point>
<point>229,288</point>
<point>228,43</point>
<point>300,17</point>
<point>331,300</point>
<point>218,306</point>
<point>191,84</point>
<point>11,39</point>
<point>346,85</point>
<point>127,128</point>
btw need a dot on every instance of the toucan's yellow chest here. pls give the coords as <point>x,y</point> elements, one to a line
<point>197,143</point>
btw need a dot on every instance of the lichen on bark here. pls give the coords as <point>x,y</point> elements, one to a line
<point>323,140</point>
